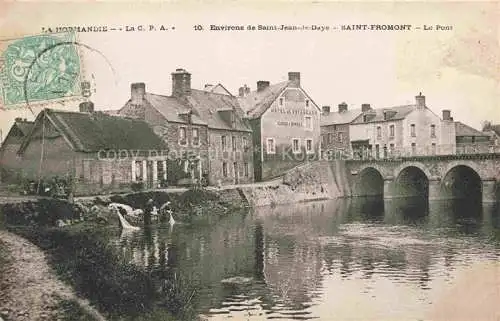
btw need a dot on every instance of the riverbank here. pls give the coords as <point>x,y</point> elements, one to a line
<point>29,289</point>
<point>78,257</point>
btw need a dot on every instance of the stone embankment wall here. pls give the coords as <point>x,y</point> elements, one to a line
<point>309,182</point>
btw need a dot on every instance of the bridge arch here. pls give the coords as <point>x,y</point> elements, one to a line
<point>411,180</point>
<point>369,182</point>
<point>382,170</point>
<point>403,166</point>
<point>462,181</point>
<point>471,164</point>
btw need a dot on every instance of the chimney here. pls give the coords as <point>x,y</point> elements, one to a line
<point>261,85</point>
<point>181,82</point>
<point>86,107</point>
<point>295,77</point>
<point>420,100</point>
<point>137,92</point>
<point>365,107</point>
<point>18,119</point>
<point>208,86</point>
<point>326,110</point>
<point>244,91</point>
<point>342,107</point>
<point>447,114</point>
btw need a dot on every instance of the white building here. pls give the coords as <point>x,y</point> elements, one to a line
<point>402,131</point>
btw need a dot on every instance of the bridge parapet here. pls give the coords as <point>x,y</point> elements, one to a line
<point>405,153</point>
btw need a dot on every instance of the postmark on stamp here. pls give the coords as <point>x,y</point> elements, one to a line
<point>39,69</point>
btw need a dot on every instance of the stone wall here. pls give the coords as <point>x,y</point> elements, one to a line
<point>312,181</point>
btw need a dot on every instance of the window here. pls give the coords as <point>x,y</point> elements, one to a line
<point>433,148</point>
<point>246,169</point>
<point>223,142</point>
<point>331,137</point>
<point>391,131</point>
<point>196,137</point>
<point>307,102</point>
<point>341,137</point>
<point>412,130</point>
<point>433,131</point>
<point>379,132</point>
<point>308,122</point>
<point>233,142</point>
<point>324,139</point>
<point>281,101</point>
<point>182,136</point>
<point>245,144</point>
<point>391,148</point>
<point>309,145</point>
<point>159,173</point>
<point>138,170</point>
<point>377,151</point>
<point>295,145</point>
<point>270,146</point>
<point>413,148</point>
<point>224,169</point>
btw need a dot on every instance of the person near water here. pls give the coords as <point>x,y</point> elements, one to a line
<point>165,211</point>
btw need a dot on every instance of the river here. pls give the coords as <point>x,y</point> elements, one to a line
<point>359,259</point>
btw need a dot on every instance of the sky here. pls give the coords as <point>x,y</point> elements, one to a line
<point>456,69</point>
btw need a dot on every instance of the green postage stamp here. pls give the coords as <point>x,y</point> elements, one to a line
<point>39,70</point>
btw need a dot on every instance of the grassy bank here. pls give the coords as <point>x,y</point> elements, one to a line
<point>81,255</point>
<point>121,291</point>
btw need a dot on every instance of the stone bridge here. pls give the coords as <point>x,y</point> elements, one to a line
<point>435,177</point>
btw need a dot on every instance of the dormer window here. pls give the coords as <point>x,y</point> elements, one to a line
<point>281,101</point>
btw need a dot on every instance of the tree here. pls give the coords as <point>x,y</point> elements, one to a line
<point>486,125</point>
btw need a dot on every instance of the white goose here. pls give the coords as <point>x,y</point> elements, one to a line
<point>130,211</point>
<point>123,222</point>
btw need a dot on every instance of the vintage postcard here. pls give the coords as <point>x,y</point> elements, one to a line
<point>249,160</point>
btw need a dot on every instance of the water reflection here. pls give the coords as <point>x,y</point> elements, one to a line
<point>314,260</point>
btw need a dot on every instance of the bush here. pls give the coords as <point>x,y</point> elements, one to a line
<point>137,186</point>
<point>44,212</point>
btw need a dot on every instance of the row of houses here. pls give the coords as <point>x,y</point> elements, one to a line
<point>204,134</point>
<point>210,135</point>
<point>408,130</point>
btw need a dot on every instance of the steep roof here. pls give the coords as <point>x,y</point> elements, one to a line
<point>172,108</point>
<point>24,126</point>
<point>462,129</point>
<point>92,132</point>
<point>19,130</point>
<point>217,89</point>
<point>210,106</point>
<point>400,112</point>
<point>335,118</point>
<point>257,102</point>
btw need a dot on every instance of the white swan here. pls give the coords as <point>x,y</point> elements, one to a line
<point>123,222</point>
<point>171,220</point>
<point>130,211</point>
